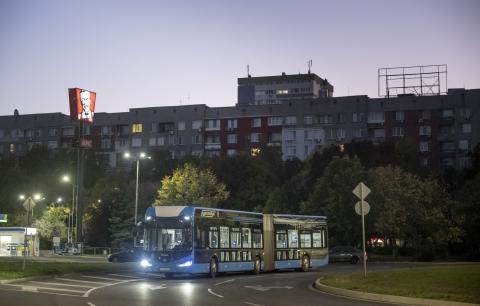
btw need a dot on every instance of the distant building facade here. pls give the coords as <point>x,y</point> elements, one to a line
<point>444,128</point>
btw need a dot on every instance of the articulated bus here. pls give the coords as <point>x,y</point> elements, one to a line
<point>186,239</point>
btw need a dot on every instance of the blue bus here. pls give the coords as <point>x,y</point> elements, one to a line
<point>187,239</point>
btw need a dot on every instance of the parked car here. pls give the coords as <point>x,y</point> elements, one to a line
<point>128,255</point>
<point>345,253</point>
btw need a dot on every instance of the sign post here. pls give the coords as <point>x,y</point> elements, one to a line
<point>362,208</point>
<point>29,204</point>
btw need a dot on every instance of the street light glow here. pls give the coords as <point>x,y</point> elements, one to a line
<point>126,155</point>
<point>66,178</point>
<point>59,200</point>
<point>142,155</point>
<point>37,197</point>
<point>21,197</point>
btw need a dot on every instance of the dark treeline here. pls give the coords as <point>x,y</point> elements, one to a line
<point>420,212</point>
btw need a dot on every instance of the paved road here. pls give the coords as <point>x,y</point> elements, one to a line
<point>95,289</point>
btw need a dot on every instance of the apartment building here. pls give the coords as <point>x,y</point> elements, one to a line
<point>444,128</point>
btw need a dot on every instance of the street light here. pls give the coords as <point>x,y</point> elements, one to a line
<point>141,155</point>
<point>28,204</point>
<point>66,179</point>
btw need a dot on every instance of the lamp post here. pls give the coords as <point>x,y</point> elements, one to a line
<point>140,156</point>
<point>66,179</point>
<point>28,204</point>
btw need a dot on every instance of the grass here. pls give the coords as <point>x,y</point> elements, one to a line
<point>10,270</point>
<point>459,283</point>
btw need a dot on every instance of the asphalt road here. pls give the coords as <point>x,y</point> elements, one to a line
<point>104,289</point>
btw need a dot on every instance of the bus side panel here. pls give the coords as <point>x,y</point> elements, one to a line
<point>268,243</point>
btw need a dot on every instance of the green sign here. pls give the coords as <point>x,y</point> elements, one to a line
<point>3,218</point>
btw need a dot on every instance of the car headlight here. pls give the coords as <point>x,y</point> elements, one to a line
<point>185,264</point>
<point>145,263</point>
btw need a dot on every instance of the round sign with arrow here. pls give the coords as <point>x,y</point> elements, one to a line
<point>366,208</point>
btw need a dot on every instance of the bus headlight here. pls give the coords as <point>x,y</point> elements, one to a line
<point>145,263</point>
<point>185,264</point>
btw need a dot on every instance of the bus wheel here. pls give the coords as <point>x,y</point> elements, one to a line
<point>213,268</point>
<point>257,266</point>
<point>305,263</point>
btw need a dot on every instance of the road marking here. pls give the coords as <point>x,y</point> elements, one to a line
<point>216,294</point>
<point>62,284</point>
<point>267,288</point>
<point>252,304</point>
<point>35,289</point>
<point>111,284</point>
<point>81,281</point>
<point>227,281</point>
<point>91,304</point>
<point>162,286</point>
<point>103,278</point>
<point>121,275</point>
<point>28,288</point>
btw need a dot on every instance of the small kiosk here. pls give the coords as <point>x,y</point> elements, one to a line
<point>12,241</point>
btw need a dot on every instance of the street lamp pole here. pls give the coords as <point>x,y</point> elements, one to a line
<point>66,179</point>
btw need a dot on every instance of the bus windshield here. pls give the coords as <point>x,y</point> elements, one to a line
<point>167,239</point>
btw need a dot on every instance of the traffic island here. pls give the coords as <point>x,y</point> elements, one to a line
<point>438,286</point>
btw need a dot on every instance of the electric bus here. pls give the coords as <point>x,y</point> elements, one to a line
<point>187,239</point>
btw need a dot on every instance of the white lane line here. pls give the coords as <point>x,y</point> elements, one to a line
<point>248,303</point>
<point>103,278</point>
<point>81,281</point>
<point>91,304</point>
<point>63,284</point>
<point>121,275</point>
<point>35,288</point>
<point>111,284</point>
<point>45,292</point>
<point>215,294</point>
<point>227,281</point>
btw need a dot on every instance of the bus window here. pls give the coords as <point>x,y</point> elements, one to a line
<point>317,239</point>
<point>235,237</point>
<point>257,240</point>
<point>246,238</point>
<point>292,239</point>
<point>305,240</point>
<point>281,239</point>
<point>213,238</point>
<point>224,237</point>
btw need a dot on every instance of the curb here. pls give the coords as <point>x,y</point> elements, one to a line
<point>375,297</point>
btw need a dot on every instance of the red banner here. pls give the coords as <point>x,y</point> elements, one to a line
<point>82,104</point>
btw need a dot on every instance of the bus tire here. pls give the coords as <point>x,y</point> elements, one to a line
<point>257,266</point>
<point>305,263</point>
<point>213,267</point>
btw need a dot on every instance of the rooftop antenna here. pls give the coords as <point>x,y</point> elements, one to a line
<point>248,70</point>
<point>310,63</point>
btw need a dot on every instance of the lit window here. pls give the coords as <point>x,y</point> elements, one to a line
<point>282,91</point>
<point>137,128</point>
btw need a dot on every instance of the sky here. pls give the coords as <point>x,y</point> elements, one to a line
<point>159,53</point>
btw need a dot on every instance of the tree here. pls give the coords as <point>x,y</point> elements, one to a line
<point>191,186</point>
<point>332,196</point>
<point>53,218</point>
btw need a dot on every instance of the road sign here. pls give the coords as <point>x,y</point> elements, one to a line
<point>361,191</point>
<point>29,204</point>
<point>3,218</point>
<point>56,241</point>
<point>358,208</point>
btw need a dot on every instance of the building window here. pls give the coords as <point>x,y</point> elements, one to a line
<point>308,120</point>
<point>136,142</point>
<point>379,133</point>
<point>399,116</point>
<point>172,140</point>
<point>282,91</point>
<point>2,133</point>
<point>360,133</point>
<point>231,152</point>
<point>275,137</point>
<point>12,148</point>
<point>376,117</point>
<point>232,138</point>
<point>232,123</point>
<point>423,146</point>
<point>196,124</point>
<point>255,137</point>
<point>197,139</point>
<point>466,128</point>
<point>425,130</point>
<point>340,118</point>
<point>256,122</point>
<point>154,127</point>
<point>447,113</point>
<point>212,124</point>
<point>213,139</point>
<point>447,146</point>
<point>274,121</point>
<point>325,119</point>
<point>424,161</point>
<point>180,140</point>
<point>398,131</point>
<point>291,151</point>
<point>290,135</point>
<point>464,145</point>
<point>152,141</point>
<point>447,130</point>
<point>51,132</point>
<point>290,120</point>
<point>358,117</point>
<point>465,113</point>
<point>137,128</point>
<point>68,131</point>
<point>52,144</point>
<point>426,115</point>
<point>106,143</point>
<point>465,162</point>
<point>181,125</point>
<point>197,153</point>
<point>161,140</point>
